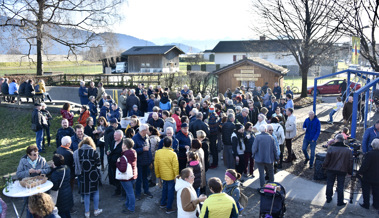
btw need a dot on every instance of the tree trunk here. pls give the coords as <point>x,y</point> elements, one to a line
<point>304,80</point>
<point>41,4</point>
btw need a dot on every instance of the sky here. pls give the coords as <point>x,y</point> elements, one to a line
<point>200,23</point>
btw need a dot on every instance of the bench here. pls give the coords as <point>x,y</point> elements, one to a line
<point>8,95</point>
<point>37,98</point>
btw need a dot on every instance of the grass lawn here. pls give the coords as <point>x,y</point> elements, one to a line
<point>16,135</point>
<point>64,66</point>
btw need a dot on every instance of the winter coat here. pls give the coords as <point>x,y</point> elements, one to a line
<point>115,114</point>
<point>249,143</point>
<point>219,205</point>
<point>196,168</point>
<point>279,132</point>
<point>205,112</point>
<point>369,169</point>
<point>238,146</point>
<point>253,115</point>
<point>198,125</point>
<point>82,95</point>
<point>183,141</point>
<point>29,90</point>
<point>233,190</point>
<point>132,100</point>
<point>200,153</point>
<point>313,129</point>
<point>67,115</point>
<point>339,158</point>
<point>137,113</point>
<point>174,146</point>
<point>154,141</point>
<point>205,148</point>
<point>103,111</point>
<point>186,199</point>
<point>22,88</point>
<point>370,134</point>
<point>65,199</point>
<point>100,92</point>
<point>24,166</point>
<point>89,131</point>
<point>243,120</point>
<point>150,105</point>
<point>47,114</point>
<point>290,127</point>
<point>271,106</point>
<point>92,109</point>
<point>347,111</point>
<point>83,118</point>
<point>214,124</point>
<point>38,119</point>
<point>131,155</point>
<point>68,159</point>
<point>122,103</point>
<point>89,176</point>
<point>13,88</point>
<point>278,92</point>
<point>5,88</point>
<point>75,142</point>
<point>92,92</point>
<point>144,158</point>
<point>264,149</point>
<point>156,123</point>
<point>177,121</point>
<point>227,131</point>
<point>69,131</point>
<point>165,106</point>
<point>168,122</point>
<point>166,164</point>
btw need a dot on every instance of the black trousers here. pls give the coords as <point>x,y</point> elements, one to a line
<point>214,149</point>
<point>182,163</point>
<point>291,155</point>
<point>112,176</point>
<point>331,178</point>
<point>367,189</point>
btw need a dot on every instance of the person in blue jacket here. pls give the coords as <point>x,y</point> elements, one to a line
<point>371,133</point>
<point>83,93</point>
<point>92,108</point>
<point>312,128</point>
<point>115,112</point>
<point>175,142</point>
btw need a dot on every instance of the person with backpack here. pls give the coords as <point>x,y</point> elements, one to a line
<point>122,164</point>
<point>279,133</point>
<point>232,186</point>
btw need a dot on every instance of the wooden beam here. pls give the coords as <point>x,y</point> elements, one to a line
<point>247,79</point>
<point>247,75</point>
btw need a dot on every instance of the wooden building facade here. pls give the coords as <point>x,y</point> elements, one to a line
<point>250,72</point>
<point>153,59</point>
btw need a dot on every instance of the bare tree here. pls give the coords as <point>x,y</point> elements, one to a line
<point>362,21</point>
<point>71,23</point>
<point>306,27</point>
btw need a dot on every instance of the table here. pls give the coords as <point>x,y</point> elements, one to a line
<point>17,191</point>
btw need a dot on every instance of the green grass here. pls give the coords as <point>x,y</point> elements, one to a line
<point>83,67</point>
<point>16,135</point>
<point>297,81</point>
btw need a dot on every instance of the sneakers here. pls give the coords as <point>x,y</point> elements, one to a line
<point>97,212</point>
<point>162,206</point>
<point>126,211</point>
<point>170,211</point>
<point>306,161</point>
<point>148,195</point>
<point>310,167</point>
<point>87,214</point>
<point>341,204</point>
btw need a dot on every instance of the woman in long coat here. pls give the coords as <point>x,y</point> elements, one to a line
<point>86,162</point>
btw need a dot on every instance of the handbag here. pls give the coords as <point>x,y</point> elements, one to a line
<point>54,194</point>
<point>34,127</point>
<point>242,200</point>
<point>128,174</point>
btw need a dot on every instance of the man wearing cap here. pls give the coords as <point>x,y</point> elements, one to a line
<point>39,121</point>
<point>214,128</point>
<point>185,139</point>
<point>144,159</point>
<point>198,124</point>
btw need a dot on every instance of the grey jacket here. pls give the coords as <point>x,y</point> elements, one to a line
<point>169,122</point>
<point>24,166</point>
<point>264,149</point>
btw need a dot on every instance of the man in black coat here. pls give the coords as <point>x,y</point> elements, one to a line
<point>92,90</point>
<point>277,91</point>
<point>39,121</point>
<point>253,112</point>
<point>243,118</point>
<point>66,152</point>
<point>114,152</point>
<point>156,121</point>
<point>65,130</point>
<point>227,131</point>
<point>342,88</point>
<point>132,100</point>
<point>198,124</point>
<point>21,89</point>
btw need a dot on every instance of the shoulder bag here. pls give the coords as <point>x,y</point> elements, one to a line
<point>128,174</point>
<point>54,194</point>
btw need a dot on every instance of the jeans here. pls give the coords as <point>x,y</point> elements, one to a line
<point>95,201</point>
<point>214,149</point>
<point>142,178</point>
<point>331,178</point>
<point>367,188</point>
<point>249,161</point>
<point>130,202</point>
<point>48,96</point>
<point>270,172</point>
<point>307,142</point>
<point>229,158</point>
<point>168,193</point>
<point>39,138</point>
<point>331,115</point>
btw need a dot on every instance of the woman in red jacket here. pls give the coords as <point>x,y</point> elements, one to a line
<point>131,156</point>
<point>67,114</point>
<point>176,116</point>
<point>84,114</point>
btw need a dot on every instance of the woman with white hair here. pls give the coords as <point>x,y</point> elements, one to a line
<point>261,121</point>
<point>370,176</point>
<point>83,93</point>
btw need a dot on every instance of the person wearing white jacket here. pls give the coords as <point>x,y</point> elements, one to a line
<point>186,198</point>
<point>279,133</point>
<point>290,134</point>
<point>261,121</point>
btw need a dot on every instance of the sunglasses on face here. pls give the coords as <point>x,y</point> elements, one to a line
<point>34,155</point>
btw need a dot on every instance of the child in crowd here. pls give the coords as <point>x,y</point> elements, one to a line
<point>338,106</point>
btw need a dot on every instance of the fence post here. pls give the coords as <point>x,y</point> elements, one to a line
<point>354,116</point>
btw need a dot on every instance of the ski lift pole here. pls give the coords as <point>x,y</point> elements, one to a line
<point>367,99</point>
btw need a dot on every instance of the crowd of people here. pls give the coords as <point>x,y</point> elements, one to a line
<point>181,140</point>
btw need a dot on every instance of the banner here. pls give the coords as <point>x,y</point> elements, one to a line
<point>356,47</point>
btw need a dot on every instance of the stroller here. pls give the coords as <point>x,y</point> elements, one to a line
<point>272,200</point>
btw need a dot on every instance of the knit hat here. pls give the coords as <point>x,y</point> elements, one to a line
<point>211,109</point>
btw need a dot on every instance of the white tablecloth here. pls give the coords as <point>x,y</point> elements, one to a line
<point>17,191</point>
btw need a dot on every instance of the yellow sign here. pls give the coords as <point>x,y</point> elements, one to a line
<point>356,47</point>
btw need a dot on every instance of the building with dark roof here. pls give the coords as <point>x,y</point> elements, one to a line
<point>151,59</point>
<point>274,51</point>
<point>249,72</point>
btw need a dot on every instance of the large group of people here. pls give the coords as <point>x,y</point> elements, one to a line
<point>181,140</point>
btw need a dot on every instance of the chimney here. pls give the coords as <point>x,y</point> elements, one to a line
<point>262,38</point>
